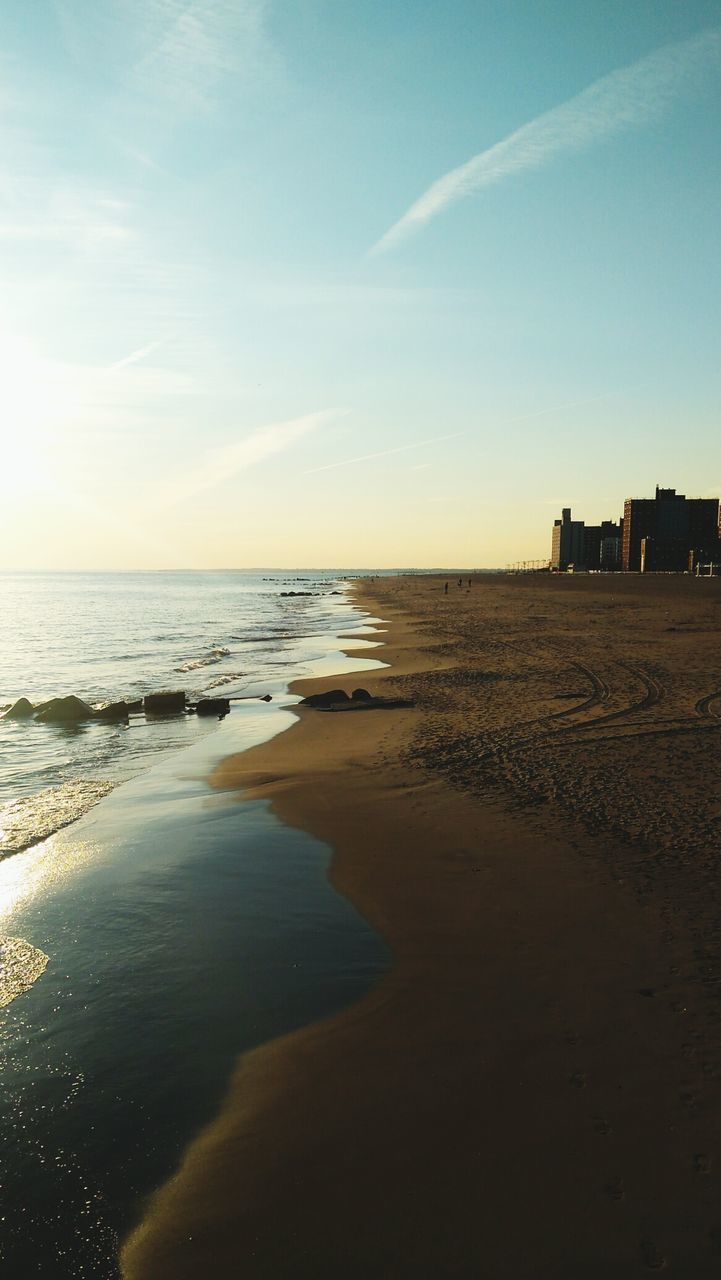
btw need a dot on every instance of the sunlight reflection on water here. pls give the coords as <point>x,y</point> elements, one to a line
<point>20,965</point>
<point>46,865</point>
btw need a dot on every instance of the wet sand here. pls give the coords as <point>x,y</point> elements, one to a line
<point>533,1091</point>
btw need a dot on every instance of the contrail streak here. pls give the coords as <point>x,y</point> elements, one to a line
<point>627,98</point>
<point>382,453</point>
<point>456,435</point>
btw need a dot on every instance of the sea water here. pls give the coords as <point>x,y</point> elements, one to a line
<point>172,927</point>
<point>111,636</point>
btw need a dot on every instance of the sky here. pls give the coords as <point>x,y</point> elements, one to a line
<point>305,282</point>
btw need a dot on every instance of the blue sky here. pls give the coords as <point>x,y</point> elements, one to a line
<point>320,283</point>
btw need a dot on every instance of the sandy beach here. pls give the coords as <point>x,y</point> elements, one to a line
<point>532,1092</point>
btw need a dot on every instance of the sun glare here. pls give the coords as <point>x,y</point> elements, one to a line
<point>27,408</point>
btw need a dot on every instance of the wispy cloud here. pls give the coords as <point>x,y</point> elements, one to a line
<point>217,466</point>
<point>135,356</point>
<point>74,216</point>
<point>192,46</point>
<point>627,98</point>
<point>174,54</point>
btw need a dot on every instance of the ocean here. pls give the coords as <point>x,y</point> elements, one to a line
<point>105,637</point>
<point>147,944</point>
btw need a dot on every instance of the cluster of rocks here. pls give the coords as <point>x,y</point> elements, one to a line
<point>359,700</point>
<point>72,710</point>
<point>310,593</point>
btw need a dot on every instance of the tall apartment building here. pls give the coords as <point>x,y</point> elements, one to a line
<point>567,542</point>
<point>661,532</point>
<point>603,545</point>
<point>585,546</point>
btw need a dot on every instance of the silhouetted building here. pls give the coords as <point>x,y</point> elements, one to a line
<point>567,544</point>
<point>610,546</point>
<point>664,555</point>
<point>585,546</point>
<point>660,533</point>
<point>592,546</point>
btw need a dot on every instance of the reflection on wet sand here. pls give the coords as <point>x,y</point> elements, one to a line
<point>22,877</point>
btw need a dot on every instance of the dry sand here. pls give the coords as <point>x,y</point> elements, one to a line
<point>532,1092</point>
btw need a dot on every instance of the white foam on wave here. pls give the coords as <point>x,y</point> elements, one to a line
<point>26,821</point>
<point>230,678</point>
<point>215,655</point>
<point>21,964</point>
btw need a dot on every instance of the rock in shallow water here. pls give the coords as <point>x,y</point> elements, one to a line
<point>112,712</point>
<point>213,707</point>
<point>64,711</point>
<point>166,703</point>
<point>20,710</point>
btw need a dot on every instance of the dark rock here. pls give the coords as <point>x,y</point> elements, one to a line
<point>135,706</point>
<point>212,707</point>
<point>20,710</point>
<point>330,699</point>
<point>166,703</point>
<point>299,593</point>
<point>64,711</point>
<point>335,702</point>
<point>266,698</point>
<point>361,695</point>
<point>112,711</point>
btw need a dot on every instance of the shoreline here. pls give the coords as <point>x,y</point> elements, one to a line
<point>169,951</point>
<point>528,1080</point>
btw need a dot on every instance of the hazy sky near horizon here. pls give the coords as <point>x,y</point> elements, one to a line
<point>305,282</point>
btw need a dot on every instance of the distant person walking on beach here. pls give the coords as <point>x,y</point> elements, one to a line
<point>445,590</point>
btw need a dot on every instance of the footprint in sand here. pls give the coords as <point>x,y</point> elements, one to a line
<point>652,1256</point>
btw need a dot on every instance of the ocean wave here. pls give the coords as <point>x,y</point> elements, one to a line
<point>29,820</point>
<point>230,678</point>
<point>275,636</point>
<point>193,664</point>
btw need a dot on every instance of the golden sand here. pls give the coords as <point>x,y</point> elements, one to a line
<point>532,1092</point>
